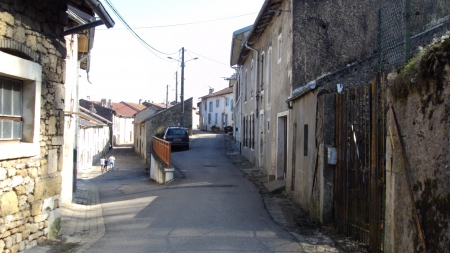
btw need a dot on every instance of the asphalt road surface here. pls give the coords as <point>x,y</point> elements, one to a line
<point>212,209</point>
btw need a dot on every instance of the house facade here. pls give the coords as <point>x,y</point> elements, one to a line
<point>39,59</point>
<point>323,122</point>
<point>120,114</point>
<point>263,60</point>
<point>93,143</point>
<point>217,110</point>
<point>93,139</point>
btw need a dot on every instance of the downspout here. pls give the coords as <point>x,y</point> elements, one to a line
<point>257,92</point>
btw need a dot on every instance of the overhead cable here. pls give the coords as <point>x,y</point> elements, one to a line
<point>144,43</point>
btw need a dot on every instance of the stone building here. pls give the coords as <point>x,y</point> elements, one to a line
<point>325,131</point>
<point>155,125</point>
<point>39,68</point>
<point>262,55</point>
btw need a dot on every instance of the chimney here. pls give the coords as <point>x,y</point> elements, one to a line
<point>140,101</point>
<point>89,98</point>
<point>104,102</point>
<point>211,90</point>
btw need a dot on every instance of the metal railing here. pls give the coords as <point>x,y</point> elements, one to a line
<point>162,149</point>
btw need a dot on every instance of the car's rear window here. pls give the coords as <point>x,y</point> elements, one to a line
<point>176,132</point>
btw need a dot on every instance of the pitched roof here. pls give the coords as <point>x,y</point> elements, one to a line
<point>159,106</point>
<point>127,109</point>
<point>160,111</point>
<point>220,92</point>
<point>262,21</point>
<point>136,106</point>
<point>86,111</point>
<point>123,109</point>
<point>237,43</point>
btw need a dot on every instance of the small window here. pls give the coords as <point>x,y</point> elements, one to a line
<point>10,109</point>
<point>211,106</point>
<point>217,102</point>
<point>216,118</point>
<point>209,118</point>
<point>280,48</point>
<point>245,86</point>
<point>305,140</point>
<point>262,71</point>
<point>231,104</point>
<point>227,101</point>
<point>269,76</point>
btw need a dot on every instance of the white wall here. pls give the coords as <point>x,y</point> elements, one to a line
<point>140,140</point>
<point>222,112</point>
<point>70,120</point>
<point>123,130</point>
<point>93,143</point>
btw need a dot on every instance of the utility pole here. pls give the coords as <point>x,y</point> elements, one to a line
<point>176,87</point>
<point>182,89</point>
<point>167,94</point>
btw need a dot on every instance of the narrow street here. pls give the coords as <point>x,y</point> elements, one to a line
<point>210,206</point>
<point>212,209</point>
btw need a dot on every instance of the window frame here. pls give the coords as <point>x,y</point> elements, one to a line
<point>30,74</point>
<point>263,64</point>
<point>16,109</point>
<point>245,86</point>
<point>269,76</point>
<point>280,48</point>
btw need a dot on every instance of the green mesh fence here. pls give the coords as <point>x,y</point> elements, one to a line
<point>404,25</point>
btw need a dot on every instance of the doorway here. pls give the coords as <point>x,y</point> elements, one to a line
<point>261,139</point>
<point>282,137</point>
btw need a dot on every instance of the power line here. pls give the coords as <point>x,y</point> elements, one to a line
<point>183,24</point>
<point>145,44</point>
<point>209,58</point>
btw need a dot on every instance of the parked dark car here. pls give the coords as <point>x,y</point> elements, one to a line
<point>177,136</point>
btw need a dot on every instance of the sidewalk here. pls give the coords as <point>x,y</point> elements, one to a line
<point>287,214</point>
<point>82,222</point>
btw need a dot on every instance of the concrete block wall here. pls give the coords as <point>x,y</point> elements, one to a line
<point>30,187</point>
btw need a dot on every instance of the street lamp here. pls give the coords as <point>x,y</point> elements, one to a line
<point>182,83</point>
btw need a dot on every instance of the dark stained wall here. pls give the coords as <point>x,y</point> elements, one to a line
<point>330,34</point>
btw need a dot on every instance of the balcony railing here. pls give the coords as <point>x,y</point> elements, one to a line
<point>162,149</point>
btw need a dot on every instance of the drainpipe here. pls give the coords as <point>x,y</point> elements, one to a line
<point>257,76</point>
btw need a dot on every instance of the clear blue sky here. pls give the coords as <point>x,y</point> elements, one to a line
<point>124,70</point>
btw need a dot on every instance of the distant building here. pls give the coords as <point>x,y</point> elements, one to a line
<point>216,110</point>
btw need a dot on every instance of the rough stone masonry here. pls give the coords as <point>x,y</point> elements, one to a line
<point>30,186</point>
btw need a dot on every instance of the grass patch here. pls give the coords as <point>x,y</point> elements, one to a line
<point>423,75</point>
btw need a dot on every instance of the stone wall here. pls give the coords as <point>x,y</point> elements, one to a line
<point>30,187</point>
<point>170,117</point>
<point>328,35</point>
<point>420,100</point>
